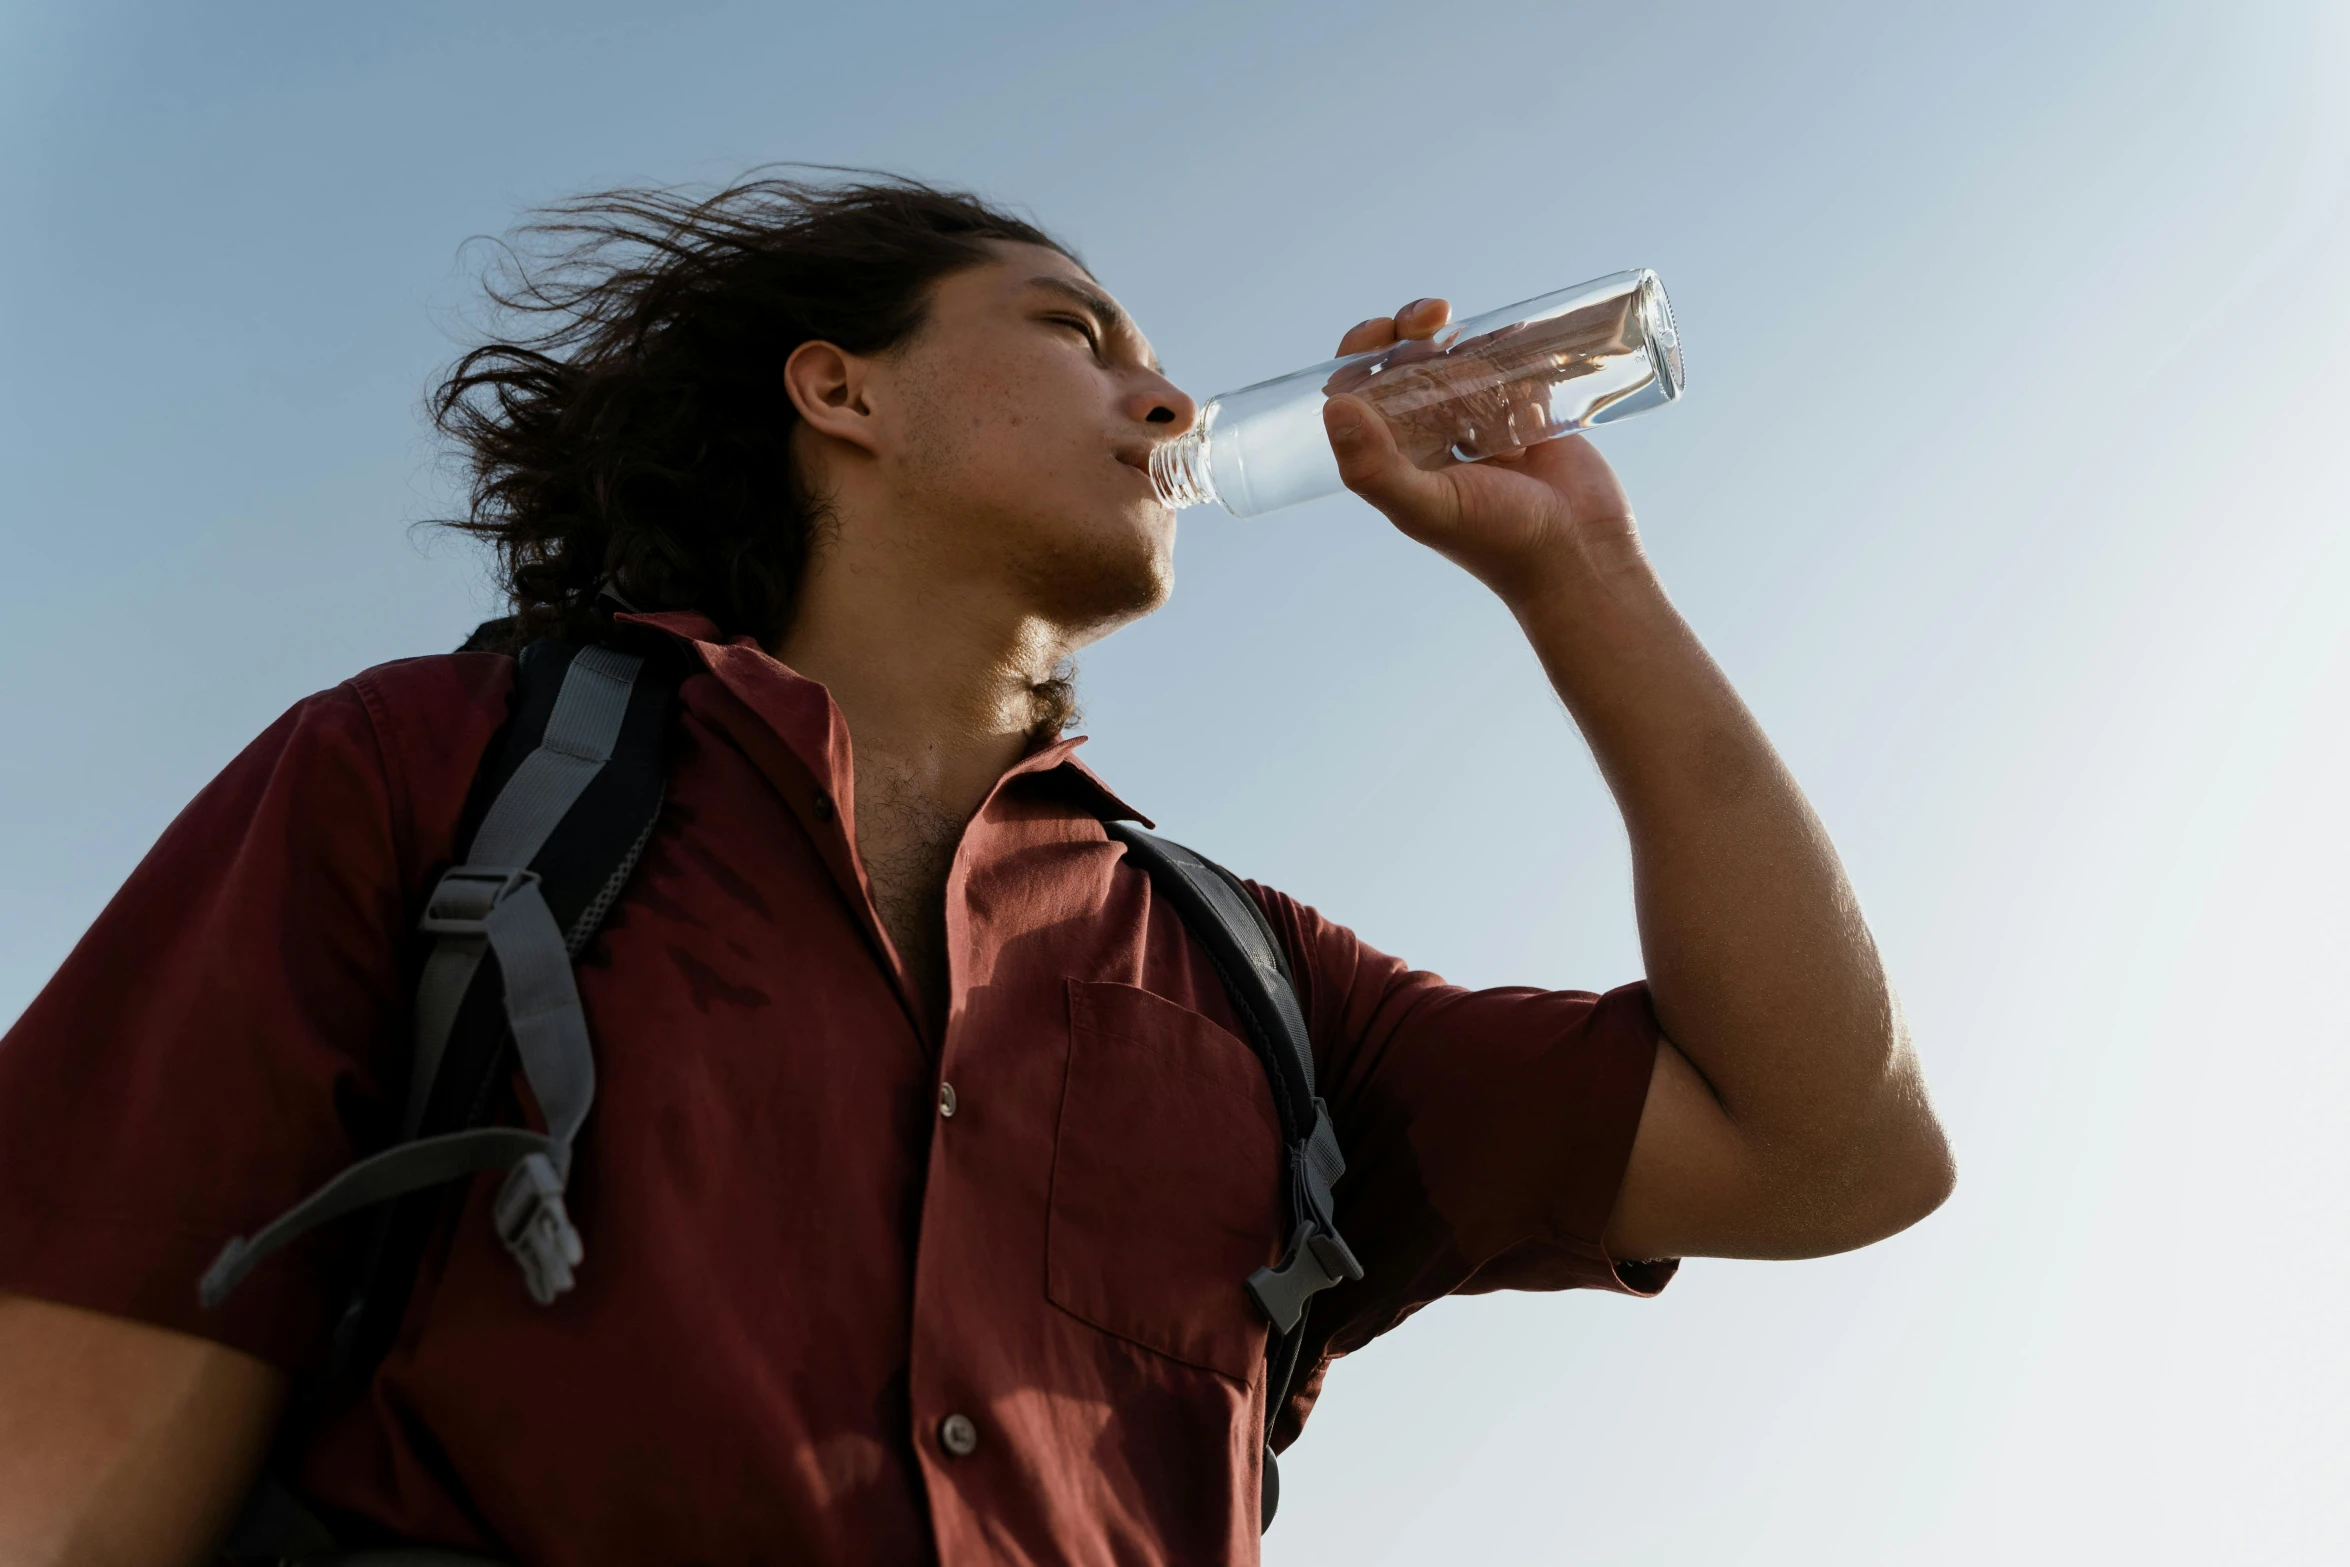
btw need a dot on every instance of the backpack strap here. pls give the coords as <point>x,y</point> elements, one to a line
<point>1223,918</point>
<point>566,799</point>
<point>521,897</point>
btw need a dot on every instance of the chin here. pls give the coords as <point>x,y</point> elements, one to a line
<point>1094,579</point>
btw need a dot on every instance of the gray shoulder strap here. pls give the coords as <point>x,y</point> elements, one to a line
<point>492,904</point>
<point>578,742</point>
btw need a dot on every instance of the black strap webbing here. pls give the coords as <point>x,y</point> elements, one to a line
<point>1222,917</point>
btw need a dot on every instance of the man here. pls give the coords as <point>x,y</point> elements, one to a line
<point>926,1155</point>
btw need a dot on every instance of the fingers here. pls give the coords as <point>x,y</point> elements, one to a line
<point>1420,319</point>
<point>1363,336</point>
<point>1423,318</point>
<point>1374,467</point>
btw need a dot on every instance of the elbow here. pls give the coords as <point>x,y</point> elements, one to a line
<point>1882,1186</point>
<point>1926,1176</point>
<point>1921,1171</point>
<point>1892,1166</point>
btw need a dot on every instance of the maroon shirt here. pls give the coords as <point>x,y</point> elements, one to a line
<point>797,1267</point>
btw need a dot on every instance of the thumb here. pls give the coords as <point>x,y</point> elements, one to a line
<point>1370,462</point>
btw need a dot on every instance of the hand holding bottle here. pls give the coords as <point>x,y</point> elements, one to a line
<point>1520,521</point>
<point>1490,386</point>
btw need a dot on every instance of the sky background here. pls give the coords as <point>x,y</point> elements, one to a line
<point>2009,486</point>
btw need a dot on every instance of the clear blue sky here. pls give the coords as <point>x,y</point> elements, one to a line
<point>2010,487</point>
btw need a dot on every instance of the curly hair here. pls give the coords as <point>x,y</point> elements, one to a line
<point>638,442</point>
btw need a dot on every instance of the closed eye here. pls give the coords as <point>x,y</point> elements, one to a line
<point>1082,327</point>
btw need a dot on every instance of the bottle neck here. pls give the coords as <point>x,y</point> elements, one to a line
<point>1179,471</point>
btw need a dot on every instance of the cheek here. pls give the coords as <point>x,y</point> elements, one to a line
<point>1039,390</point>
<point>990,409</point>
<point>958,419</point>
<point>1010,424</point>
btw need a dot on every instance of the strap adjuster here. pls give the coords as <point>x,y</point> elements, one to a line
<point>536,1228</point>
<point>1316,1259</point>
<point>466,894</point>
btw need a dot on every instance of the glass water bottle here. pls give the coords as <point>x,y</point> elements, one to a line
<point>1509,379</point>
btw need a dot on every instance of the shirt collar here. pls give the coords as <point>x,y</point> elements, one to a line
<point>803,715</point>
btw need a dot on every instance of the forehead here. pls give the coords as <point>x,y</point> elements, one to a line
<point>1013,265</point>
<point>1017,261</point>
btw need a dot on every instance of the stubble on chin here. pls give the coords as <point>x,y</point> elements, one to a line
<point>1090,585</point>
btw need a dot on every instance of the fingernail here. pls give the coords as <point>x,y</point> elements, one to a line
<point>1345,421</point>
<point>1425,299</point>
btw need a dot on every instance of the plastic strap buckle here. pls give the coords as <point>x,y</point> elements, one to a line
<point>1317,1258</point>
<point>536,1228</point>
<point>465,895</point>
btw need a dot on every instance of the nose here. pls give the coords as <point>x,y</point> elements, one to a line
<point>1155,400</point>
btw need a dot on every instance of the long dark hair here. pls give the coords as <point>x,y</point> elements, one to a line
<point>639,439</point>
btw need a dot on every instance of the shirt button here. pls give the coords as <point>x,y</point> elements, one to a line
<point>958,1435</point>
<point>946,1099</point>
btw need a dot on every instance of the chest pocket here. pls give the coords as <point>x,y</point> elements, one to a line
<point>1166,1179</point>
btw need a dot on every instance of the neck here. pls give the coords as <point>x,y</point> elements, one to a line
<point>939,686</point>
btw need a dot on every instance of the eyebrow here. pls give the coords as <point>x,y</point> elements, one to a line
<point>1105,308</point>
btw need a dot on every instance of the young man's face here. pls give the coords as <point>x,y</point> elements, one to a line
<point>1029,406</point>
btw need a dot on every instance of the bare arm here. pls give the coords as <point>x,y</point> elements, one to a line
<point>1786,1116</point>
<point>122,1443</point>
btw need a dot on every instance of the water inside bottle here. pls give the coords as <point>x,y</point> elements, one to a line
<point>1483,387</point>
<point>1520,384</point>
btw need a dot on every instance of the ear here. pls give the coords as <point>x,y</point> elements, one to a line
<point>830,389</point>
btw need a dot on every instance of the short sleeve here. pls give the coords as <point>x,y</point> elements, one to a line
<point>1486,1133</point>
<point>218,1044</point>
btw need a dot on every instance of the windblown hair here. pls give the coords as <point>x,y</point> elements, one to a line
<point>640,438</point>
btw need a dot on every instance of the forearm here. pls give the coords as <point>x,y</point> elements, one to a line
<point>122,1442</point>
<point>1761,969</point>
